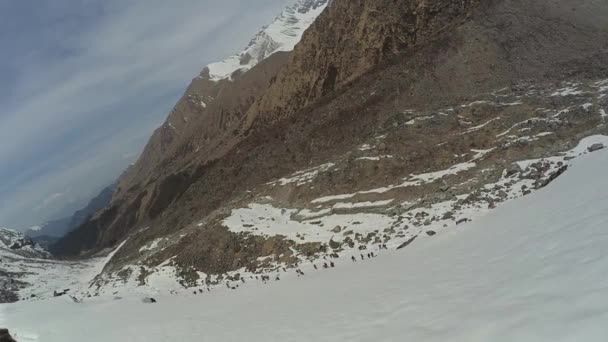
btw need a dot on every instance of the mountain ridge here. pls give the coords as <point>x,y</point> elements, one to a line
<point>410,127</point>
<point>281,35</point>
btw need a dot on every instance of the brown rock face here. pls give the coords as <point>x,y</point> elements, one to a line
<point>357,73</point>
<point>349,39</point>
<point>203,125</point>
<point>204,119</point>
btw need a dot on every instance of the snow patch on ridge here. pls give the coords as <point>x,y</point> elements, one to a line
<point>151,246</point>
<point>304,176</point>
<point>267,220</point>
<point>281,35</point>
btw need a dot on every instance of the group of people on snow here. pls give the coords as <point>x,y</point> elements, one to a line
<point>326,265</point>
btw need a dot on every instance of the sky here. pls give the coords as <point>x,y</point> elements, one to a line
<point>83,83</point>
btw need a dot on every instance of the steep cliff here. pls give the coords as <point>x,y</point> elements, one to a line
<point>348,40</point>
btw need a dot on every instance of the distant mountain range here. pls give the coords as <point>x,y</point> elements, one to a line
<point>50,231</point>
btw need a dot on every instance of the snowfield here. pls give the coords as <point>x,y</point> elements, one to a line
<point>534,269</point>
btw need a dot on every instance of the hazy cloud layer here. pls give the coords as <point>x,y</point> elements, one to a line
<point>84,82</point>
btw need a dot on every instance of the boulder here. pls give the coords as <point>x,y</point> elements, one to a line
<point>337,229</point>
<point>513,169</point>
<point>149,300</point>
<point>448,216</point>
<point>430,233</point>
<point>5,336</point>
<point>406,243</point>
<point>461,221</point>
<point>349,242</point>
<point>595,147</point>
<point>59,294</point>
<point>334,245</point>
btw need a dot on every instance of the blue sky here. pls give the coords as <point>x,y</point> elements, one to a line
<point>83,83</point>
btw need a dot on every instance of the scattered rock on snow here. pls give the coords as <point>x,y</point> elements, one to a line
<point>406,243</point>
<point>148,300</point>
<point>463,220</point>
<point>448,215</point>
<point>513,169</point>
<point>334,245</point>
<point>595,147</point>
<point>543,183</point>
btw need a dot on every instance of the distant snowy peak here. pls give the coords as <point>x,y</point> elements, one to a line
<point>17,243</point>
<point>281,35</point>
<point>35,228</point>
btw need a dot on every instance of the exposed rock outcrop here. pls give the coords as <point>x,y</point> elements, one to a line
<point>5,336</point>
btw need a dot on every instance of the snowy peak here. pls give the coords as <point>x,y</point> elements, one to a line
<point>13,242</point>
<point>281,35</point>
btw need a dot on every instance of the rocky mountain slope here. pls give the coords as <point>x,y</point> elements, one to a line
<point>389,121</point>
<point>210,110</point>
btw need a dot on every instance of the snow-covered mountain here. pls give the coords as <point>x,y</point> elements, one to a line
<point>281,35</point>
<point>16,243</point>
<point>18,253</point>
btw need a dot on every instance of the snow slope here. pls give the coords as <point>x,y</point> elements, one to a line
<point>531,270</point>
<point>281,35</point>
